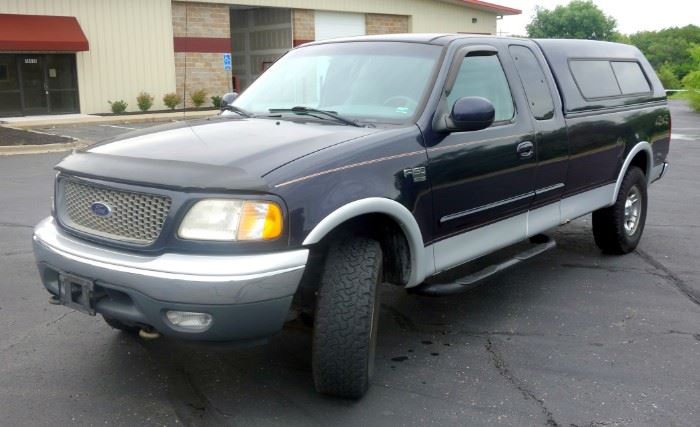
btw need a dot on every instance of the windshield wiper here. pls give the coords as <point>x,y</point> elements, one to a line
<point>238,110</point>
<point>315,113</point>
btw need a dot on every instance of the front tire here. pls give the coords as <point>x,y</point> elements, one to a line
<point>617,229</point>
<point>347,314</point>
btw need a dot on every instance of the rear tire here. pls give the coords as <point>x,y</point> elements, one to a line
<point>617,229</point>
<point>347,314</point>
<point>116,324</point>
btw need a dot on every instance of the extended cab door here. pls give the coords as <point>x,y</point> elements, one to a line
<point>482,177</point>
<point>551,140</point>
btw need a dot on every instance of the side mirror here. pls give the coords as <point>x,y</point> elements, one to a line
<point>227,100</point>
<point>470,113</point>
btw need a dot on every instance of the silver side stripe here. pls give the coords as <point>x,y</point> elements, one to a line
<point>482,208</point>
<point>350,166</point>
<point>550,188</point>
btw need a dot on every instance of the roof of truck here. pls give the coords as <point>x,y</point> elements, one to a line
<point>428,38</point>
<point>587,49</point>
<point>580,47</point>
<point>558,53</point>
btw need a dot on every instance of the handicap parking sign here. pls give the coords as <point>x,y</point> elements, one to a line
<point>227,61</point>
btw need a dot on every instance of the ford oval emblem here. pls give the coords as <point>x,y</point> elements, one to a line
<point>101,209</point>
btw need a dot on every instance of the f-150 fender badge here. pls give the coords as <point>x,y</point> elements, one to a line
<point>419,174</point>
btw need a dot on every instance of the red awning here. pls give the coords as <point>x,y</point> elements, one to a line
<point>39,33</point>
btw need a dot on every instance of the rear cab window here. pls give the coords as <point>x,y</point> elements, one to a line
<point>602,78</point>
<point>630,77</point>
<point>534,82</point>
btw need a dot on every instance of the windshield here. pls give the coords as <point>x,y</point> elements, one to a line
<point>366,81</point>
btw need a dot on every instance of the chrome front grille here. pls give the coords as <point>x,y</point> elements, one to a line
<point>130,217</point>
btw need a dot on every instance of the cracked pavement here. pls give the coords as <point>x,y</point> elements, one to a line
<point>573,338</point>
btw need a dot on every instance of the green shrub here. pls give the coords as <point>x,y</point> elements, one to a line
<point>144,101</point>
<point>172,100</point>
<point>198,97</point>
<point>668,77</point>
<point>216,101</point>
<point>118,107</point>
<point>692,82</point>
<point>694,98</point>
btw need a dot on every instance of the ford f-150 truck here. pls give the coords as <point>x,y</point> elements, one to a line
<point>347,164</point>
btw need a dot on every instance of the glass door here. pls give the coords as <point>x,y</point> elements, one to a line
<point>62,84</point>
<point>47,83</point>
<point>33,83</point>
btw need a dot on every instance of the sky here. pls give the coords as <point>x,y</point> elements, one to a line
<point>631,15</point>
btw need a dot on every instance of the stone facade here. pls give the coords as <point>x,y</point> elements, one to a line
<point>303,26</point>
<point>386,24</point>
<point>202,70</point>
<point>200,20</point>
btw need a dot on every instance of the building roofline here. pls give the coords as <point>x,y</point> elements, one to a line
<point>488,7</point>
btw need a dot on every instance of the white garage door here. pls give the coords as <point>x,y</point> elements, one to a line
<point>330,25</point>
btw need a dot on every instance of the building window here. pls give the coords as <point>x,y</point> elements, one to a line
<point>4,75</point>
<point>474,20</point>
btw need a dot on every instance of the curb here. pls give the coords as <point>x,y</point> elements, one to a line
<point>156,117</point>
<point>42,149</point>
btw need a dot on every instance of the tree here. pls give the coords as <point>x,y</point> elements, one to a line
<point>691,81</point>
<point>669,46</point>
<point>580,19</point>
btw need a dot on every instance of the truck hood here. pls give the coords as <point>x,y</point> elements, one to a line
<point>216,153</point>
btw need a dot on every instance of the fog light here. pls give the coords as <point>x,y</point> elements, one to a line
<point>189,320</point>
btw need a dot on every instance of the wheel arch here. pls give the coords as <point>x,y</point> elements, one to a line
<point>640,155</point>
<point>398,213</point>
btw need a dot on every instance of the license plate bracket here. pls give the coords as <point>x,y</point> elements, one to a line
<point>76,292</point>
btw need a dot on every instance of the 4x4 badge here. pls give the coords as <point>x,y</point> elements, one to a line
<point>418,174</point>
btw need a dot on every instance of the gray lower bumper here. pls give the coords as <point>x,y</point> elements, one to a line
<point>248,296</point>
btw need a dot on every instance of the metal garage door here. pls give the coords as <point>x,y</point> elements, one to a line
<point>338,24</point>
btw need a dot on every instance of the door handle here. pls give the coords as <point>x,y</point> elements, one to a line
<point>526,149</point>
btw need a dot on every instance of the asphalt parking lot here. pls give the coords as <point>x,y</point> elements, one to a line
<point>573,338</point>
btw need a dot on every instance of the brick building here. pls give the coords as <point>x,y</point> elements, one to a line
<point>67,56</point>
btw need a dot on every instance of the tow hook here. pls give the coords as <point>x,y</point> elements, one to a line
<point>149,334</point>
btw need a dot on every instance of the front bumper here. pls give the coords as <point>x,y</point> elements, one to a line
<point>248,296</point>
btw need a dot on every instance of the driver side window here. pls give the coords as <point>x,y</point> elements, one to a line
<point>482,75</point>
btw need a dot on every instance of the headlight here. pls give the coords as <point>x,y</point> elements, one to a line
<point>231,220</point>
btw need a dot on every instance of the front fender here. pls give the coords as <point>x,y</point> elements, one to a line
<point>421,260</point>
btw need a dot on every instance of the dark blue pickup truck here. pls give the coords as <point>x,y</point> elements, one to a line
<point>350,163</point>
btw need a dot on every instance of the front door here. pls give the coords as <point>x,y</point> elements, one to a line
<point>47,84</point>
<point>34,88</point>
<point>483,177</point>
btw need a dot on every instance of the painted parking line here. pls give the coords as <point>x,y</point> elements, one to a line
<point>118,127</point>
<point>680,136</point>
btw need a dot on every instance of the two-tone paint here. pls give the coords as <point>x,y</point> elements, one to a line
<point>475,191</point>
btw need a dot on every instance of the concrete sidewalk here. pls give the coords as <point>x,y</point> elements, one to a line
<point>70,119</point>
